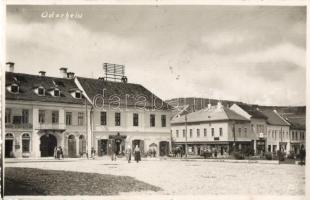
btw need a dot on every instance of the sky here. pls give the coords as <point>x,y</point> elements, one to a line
<point>253,54</point>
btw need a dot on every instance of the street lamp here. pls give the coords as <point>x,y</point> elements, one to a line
<point>186,134</point>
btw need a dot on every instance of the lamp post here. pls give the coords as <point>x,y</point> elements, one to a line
<point>186,134</point>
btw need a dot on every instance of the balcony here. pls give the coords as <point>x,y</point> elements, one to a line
<point>18,126</point>
<point>50,126</point>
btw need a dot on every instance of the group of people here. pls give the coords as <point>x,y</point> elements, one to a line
<point>136,152</point>
<point>58,153</point>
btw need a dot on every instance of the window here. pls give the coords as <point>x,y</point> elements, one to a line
<point>80,118</point>
<point>205,132</point>
<point>25,116</point>
<point>41,91</point>
<point>221,131</point>
<point>239,131</point>
<point>198,132</point>
<point>103,118</point>
<point>177,133</point>
<point>269,148</point>
<point>55,117</point>
<point>17,119</point>
<point>302,135</point>
<point>14,88</point>
<point>274,148</point>
<point>245,131</point>
<point>26,143</point>
<point>135,119</point>
<point>190,132</point>
<point>68,118</point>
<point>8,114</point>
<point>163,121</point>
<point>152,120</point>
<point>184,133</point>
<point>117,119</point>
<point>212,132</point>
<point>56,93</point>
<point>41,116</point>
<point>78,95</point>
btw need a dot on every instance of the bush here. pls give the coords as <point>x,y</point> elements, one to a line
<point>268,156</point>
<point>238,155</point>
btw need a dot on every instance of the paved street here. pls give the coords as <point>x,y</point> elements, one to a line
<point>177,177</point>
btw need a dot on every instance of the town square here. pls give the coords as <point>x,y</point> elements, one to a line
<point>154,100</point>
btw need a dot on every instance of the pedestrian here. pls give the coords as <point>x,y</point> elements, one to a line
<point>55,152</point>
<point>302,155</point>
<point>128,153</point>
<point>58,153</point>
<point>137,154</point>
<point>61,153</point>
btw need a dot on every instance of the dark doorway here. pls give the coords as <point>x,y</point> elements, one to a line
<point>102,147</point>
<point>47,145</point>
<point>164,148</point>
<point>71,146</point>
<point>82,145</point>
<point>8,148</point>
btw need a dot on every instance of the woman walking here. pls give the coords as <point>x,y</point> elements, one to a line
<point>137,154</point>
<point>128,152</point>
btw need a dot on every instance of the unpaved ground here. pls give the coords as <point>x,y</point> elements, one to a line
<point>177,177</point>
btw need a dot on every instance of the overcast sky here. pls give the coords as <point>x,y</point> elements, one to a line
<point>245,53</point>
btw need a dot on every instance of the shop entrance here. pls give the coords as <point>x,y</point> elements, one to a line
<point>164,148</point>
<point>102,147</point>
<point>71,146</point>
<point>47,145</point>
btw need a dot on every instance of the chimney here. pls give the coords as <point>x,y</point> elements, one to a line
<point>11,66</point>
<point>70,75</point>
<point>124,79</point>
<point>219,105</point>
<point>42,73</point>
<point>63,72</point>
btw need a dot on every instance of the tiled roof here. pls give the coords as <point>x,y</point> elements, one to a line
<point>129,94</point>
<point>273,118</point>
<point>296,121</point>
<point>209,115</point>
<point>252,110</point>
<point>28,82</point>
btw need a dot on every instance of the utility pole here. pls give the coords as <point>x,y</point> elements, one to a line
<point>186,134</point>
<point>86,127</point>
<point>234,134</point>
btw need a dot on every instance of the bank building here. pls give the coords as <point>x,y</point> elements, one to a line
<point>78,113</point>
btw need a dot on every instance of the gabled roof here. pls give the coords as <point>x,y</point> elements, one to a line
<point>27,82</point>
<point>129,94</point>
<point>253,111</point>
<point>210,115</point>
<point>274,118</point>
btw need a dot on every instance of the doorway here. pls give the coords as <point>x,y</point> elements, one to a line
<point>102,147</point>
<point>71,146</point>
<point>164,148</point>
<point>47,145</point>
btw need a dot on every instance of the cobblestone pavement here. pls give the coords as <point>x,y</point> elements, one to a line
<point>177,177</point>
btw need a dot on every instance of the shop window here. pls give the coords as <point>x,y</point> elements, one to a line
<point>26,143</point>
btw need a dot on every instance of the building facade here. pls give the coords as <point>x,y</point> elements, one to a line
<point>258,125</point>
<point>216,128</point>
<point>44,112</point>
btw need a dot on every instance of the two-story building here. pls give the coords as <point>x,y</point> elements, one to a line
<point>128,112</point>
<point>214,127</point>
<point>278,129</point>
<point>258,124</point>
<point>43,113</point>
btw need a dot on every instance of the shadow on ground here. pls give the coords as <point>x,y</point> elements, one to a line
<point>31,181</point>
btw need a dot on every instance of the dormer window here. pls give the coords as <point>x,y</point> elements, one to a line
<point>56,93</point>
<point>41,91</point>
<point>78,94</point>
<point>14,88</point>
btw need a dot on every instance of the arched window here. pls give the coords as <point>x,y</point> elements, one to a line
<point>26,143</point>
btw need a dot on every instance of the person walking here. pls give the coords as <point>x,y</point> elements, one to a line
<point>93,153</point>
<point>128,153</point>
<point>137,154</point>
<point>55,152</point>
